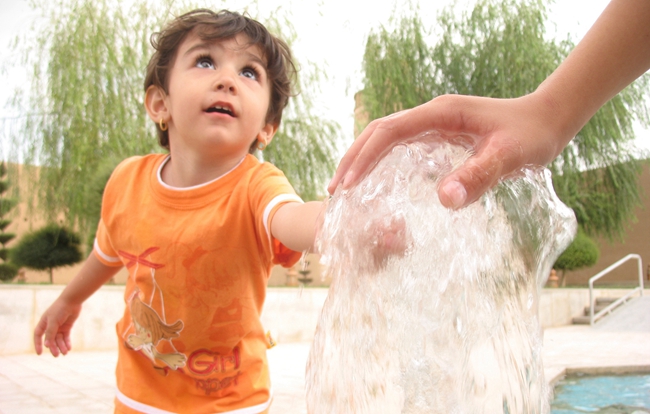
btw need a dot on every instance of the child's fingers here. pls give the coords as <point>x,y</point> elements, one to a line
<point>61,343</point>
<point>68,342</point>
<point>51,345</point>
<point>50,338</point>
<point>38,336</point>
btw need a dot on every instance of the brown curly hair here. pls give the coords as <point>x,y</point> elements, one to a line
<point>210,26</point>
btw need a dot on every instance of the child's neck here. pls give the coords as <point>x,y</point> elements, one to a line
<point>182,171</point>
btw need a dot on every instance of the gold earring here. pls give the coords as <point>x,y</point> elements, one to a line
<point>261,145</point>
<point>162,125</point>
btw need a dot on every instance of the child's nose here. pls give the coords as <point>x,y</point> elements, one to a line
<point>226,82</point>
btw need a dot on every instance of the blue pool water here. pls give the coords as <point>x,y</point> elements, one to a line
<point>602,394</point>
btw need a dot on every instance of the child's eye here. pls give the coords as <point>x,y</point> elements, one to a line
<point>250,73</point>
<point>204,62</point>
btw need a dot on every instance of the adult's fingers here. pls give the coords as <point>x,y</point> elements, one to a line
<point>448,113</point>
<point>467,184</point>
<point>377,139</point>
<point>479,174</point>
<point>350,157</point>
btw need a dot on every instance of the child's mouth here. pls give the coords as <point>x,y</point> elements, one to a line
<point>221,110</point>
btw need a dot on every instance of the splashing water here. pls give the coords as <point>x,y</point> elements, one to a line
<point>449,323</point>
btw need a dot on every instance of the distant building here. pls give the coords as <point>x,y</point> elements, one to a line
<point>636,240</point>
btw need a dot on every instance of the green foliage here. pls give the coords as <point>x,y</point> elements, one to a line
<point>603,199</point>
<point>49,247</point>
<point>398,69</point>
<point>85,99</point>
<point>94,191</point>
<point>4,223</point>
<point>305,145</point>
<point>6,238</point>
<point>582,252</point>
<point>6,205</point>
<point>8,271</point>
<point>499,49</point>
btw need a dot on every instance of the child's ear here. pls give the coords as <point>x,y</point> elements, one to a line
<point>267,133</point>
<point>156,104</point>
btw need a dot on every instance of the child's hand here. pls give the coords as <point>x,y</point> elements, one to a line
<point>390,239</point>
<point>56,324</point>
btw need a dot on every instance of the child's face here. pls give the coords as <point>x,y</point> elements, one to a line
<point>218,98</point>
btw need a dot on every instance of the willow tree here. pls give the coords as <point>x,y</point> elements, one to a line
<point>86,62</point>
<point>500,49</point>
<point>85,103</point>
<point>304,147</point>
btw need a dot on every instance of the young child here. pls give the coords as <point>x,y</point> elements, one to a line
<point>198,229</point>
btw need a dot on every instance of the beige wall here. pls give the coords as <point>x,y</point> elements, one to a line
<point>278,277</point>
<point>290,314</point>
<point>637,240</point>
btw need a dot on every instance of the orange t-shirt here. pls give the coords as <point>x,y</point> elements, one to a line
<point>199,260</point>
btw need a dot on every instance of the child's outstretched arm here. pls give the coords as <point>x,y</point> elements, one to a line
<point>58,319</point>
<point>294,224</point>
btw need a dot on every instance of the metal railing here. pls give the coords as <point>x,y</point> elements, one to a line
<point>592,301</point>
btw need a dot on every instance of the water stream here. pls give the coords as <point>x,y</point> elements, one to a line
<point>432,310</point>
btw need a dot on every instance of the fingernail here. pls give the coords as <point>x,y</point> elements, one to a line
<point>330,184</point>
<point>456,193</point>
<point>347,179</point>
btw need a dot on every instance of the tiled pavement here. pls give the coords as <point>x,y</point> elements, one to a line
<point>83,382</point>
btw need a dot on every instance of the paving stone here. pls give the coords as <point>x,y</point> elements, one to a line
<point>84,382</point>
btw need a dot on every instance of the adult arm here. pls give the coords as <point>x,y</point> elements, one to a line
<point>58,319</point>
<point>532,129</point>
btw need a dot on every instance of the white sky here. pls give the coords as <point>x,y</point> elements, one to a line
<point>331,33</point>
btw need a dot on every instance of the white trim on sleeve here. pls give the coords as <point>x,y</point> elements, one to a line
<point>103,255</point>
<point>147,409</point>
<point>282,198</point>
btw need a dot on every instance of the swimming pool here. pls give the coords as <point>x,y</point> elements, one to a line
<point>602,394</point>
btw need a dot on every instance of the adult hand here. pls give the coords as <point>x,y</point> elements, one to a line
<point>533,129</point>
<point>508,134</point>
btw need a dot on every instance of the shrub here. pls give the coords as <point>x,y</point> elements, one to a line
<point>582,252</point>
<point>47,248</point>
<point>7,270</point>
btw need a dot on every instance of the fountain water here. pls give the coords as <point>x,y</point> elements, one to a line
<point>447,322</point>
